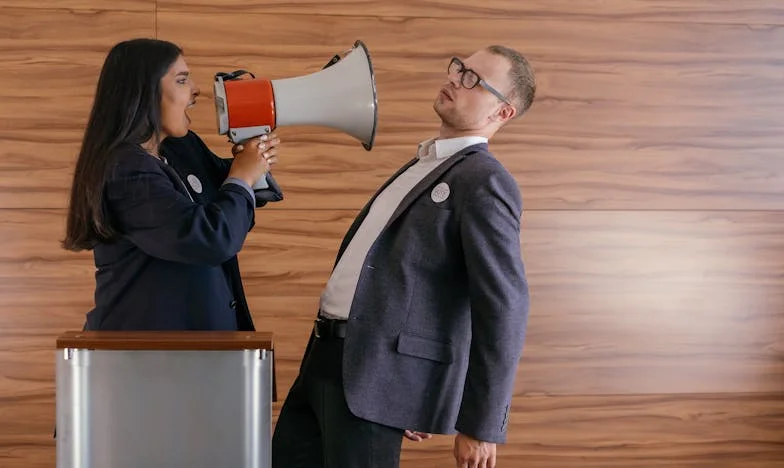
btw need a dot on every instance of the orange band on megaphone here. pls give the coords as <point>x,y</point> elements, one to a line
<point>251,103</point>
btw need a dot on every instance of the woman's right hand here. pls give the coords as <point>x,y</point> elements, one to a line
<point>253,158</point>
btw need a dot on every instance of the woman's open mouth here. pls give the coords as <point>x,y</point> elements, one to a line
<point>190,105</point>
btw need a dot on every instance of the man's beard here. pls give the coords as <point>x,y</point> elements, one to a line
<point>450,117</point>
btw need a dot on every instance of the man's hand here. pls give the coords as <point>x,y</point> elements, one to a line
<point>472,453</point>
<point>417,436</point>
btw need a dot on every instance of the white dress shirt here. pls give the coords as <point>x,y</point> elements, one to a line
<point>338,295</point>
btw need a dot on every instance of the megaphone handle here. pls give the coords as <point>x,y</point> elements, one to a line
<point>238,135</point>
<point>261,184</point>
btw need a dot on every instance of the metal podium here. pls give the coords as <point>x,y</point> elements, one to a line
<point>164,399</point>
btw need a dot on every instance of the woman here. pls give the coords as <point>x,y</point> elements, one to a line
<point>164,244</point>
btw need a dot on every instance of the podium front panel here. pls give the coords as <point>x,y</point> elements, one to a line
<point>164,408</point>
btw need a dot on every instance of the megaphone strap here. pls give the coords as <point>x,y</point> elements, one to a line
<point>336,58</point>
<point>332,61</point>
<point>226,76</point>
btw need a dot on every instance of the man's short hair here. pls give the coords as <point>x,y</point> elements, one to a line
<point>522,75</point>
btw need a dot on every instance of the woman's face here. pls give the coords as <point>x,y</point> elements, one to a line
<point>178,94</point>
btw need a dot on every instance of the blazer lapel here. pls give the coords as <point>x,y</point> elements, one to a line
<point>176,179</point>
<point>409,198</point>
<point>362,214</point>
<point>423,185</point>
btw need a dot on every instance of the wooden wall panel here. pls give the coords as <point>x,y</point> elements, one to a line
<point>687,431</point>
<point>27,391</point>
<point>686,11</point>
<point>84,6</point>
<point>51,54</point>
<point>654,298</point>
<point>622,302</point>
<point>650,168</point>
<point>628,124</point>
<point>639,123</point>
<point>51,62</point>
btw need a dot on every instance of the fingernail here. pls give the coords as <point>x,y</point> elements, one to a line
<point>264,138</point>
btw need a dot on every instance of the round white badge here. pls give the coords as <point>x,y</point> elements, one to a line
<point>440,192</point>
<point>195,183</point>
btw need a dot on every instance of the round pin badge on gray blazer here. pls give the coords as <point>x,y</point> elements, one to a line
<point>440,192</point>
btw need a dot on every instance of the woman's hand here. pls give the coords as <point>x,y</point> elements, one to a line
<point>254,157</point>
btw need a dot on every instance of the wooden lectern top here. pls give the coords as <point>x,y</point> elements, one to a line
<point>166,340</point>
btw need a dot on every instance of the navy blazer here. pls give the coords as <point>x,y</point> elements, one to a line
<point>175,266</point>
<point>438,320</point>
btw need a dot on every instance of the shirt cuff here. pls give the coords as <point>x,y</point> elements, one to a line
<point>241,183</point>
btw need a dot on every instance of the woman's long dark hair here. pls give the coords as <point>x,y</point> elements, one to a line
<point>126,110</point>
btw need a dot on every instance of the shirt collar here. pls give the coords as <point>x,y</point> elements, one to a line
<point>441,149</point>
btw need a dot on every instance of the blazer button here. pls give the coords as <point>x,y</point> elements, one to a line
<point>233,304</point>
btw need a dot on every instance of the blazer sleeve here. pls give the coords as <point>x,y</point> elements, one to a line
<point>222,166</point>
<point>162,221</point>
<point>498,289</point>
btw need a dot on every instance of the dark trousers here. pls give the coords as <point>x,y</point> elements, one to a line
<point>315,428</point>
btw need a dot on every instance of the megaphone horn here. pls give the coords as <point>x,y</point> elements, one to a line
<point>342,96</point>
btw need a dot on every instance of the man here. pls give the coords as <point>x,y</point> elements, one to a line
<point>422,323</point>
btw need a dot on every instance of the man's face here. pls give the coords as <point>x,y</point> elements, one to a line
<point>474,109</point>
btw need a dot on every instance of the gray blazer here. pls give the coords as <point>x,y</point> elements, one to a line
<point>437,325</point>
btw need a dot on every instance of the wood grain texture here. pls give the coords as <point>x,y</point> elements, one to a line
<point>638,123</point>
<point>687,11</point>
<point>622,302</point>
<point>692,430</point>
<point>650,167</point>
<point>91,5</point>
<point>51,62</point>
<point>687,431</point>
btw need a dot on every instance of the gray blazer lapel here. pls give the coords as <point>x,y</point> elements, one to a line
<point>409,198</point>
<point>420,188</point>
<point>362,214</point>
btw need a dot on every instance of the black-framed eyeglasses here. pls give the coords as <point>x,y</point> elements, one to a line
<point>469,78</point>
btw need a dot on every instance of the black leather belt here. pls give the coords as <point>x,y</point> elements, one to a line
<point>329,328</point>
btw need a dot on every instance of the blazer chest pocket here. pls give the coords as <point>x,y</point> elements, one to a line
<point>424,348</point>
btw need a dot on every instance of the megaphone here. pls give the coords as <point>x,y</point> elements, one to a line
<point>342,96</point>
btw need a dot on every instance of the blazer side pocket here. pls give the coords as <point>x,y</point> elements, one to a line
<point>424,348</point>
